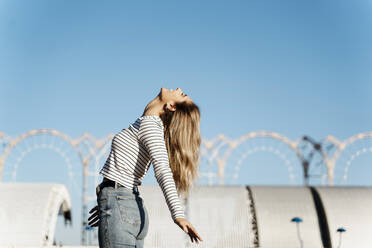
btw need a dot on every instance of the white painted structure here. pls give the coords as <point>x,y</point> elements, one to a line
<point>275,207</point>
<point>260,216</point>
<point>350,208</point>
<point>225,216</point>
<point>222,216</point>
<point>163,232</point>
<point>28,213</point>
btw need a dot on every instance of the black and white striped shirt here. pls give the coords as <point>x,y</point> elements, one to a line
<point>132,151</point>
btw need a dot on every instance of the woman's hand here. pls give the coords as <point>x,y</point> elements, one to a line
<point>94,218</point>
<point>189,229</point>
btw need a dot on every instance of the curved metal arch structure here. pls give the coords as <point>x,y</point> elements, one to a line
<point>340,147</point>
<point>216,151</point>
<point>14,142</point>
<point>221,141</point>
<point>86,147</point>
<point>27,220</point>
<point>75,143</point>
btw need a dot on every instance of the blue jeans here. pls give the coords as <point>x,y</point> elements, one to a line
<point>123,218</point>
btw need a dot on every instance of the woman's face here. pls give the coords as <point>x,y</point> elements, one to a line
<point>173,96</point>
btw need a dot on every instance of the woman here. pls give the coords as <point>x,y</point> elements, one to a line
<point>166,135</point>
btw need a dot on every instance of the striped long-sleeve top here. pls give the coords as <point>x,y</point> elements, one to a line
<point>132,151</point>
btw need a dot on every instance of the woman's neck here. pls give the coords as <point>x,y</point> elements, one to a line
<point>155,107</point>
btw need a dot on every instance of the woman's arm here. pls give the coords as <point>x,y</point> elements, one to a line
<point>152,136</point>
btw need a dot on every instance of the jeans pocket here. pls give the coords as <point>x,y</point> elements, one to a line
<point>129,211</point>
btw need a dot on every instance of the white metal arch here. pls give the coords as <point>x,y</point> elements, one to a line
<point>86,147</point>
<point>27,220</point>
<point>14,142</point>
<point>221,141</point>
<point>340,147</point>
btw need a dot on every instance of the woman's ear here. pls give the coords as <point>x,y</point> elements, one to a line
<point>171,106</point>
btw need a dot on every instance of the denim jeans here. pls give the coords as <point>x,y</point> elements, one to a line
<point>123,218</point>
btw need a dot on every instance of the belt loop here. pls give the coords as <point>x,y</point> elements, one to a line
<point>135,189</point>
<point>116,185</point>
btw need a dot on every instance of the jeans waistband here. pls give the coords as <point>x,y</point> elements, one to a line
<point>110,183</point>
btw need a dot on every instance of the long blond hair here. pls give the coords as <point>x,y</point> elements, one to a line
<point>183,139</point>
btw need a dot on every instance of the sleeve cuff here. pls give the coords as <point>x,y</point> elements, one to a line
<point>182,215</point>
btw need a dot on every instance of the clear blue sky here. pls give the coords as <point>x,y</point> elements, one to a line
<point>293,67</point>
